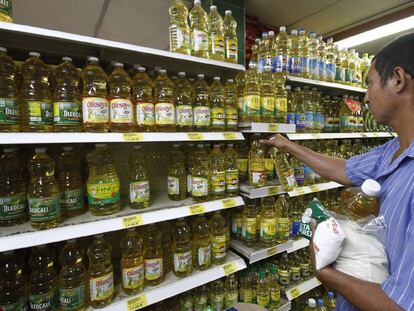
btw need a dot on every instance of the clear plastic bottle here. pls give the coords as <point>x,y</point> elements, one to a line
<point>267,222</point>
<point>230,38</point>
<point>73,279</point>
<point>164,103</point>
<point>230,106</point>
<point>201,243</point>
<point>183,103</point>
<point>153,256</point>
<point>101,272</point>
<point>215,35</point>
<point>269,165</point>
<point>300,113</point>
<point>200,178</point>
<point>200,299</point>
<point>295,217</point>
<point>43,192</point>
<point>243,162</point>
<point>166,242</point>
<point>179,29</point>
<point>217,295</point>
<point>320,305</point>
<point>263,292</point>
<point>251,103</point>
<point>303,53</point>
<point>132,263</point>
<point>240,80</point>
<point>304,264</point>
<point>267,95</point>
<point>232,172</point>
<point>281,103</point>
<point>347,115</point>
<point>67,103</point>
<point>290,113</point>
<point>313,56</point>
<point>231,291</point>
<point>284,171</point>
<point>182,249</point>
<point>95,104</point>
<point>330,301</point>
<point>354,67</point>
<point>284,272</point>
<point>249,224</point>
<point>263,52</point>
<point>330,59</point>
<point>9,103</point>
<point>70,183</point>
<point>35,96</point>
<point>294,268</point>
<point>339,72</point>
<point>282,219</point>
<point>139,185</point>
<point>202,111</point>
<point>364,67</point>
<point>199,30</point>
<point>257,169</point>
<point>216,97</point>
<point>103,183</point>
<point>298,168</point>
<point>144,104</point>
<point>282,45</point>
<point>346,66</point>
<point>217,173</point>
<point>274,289</point>
<point>294,60</point>
<point>218,238</point>
<point>309,108</point>
<point>322,58</point>
<point>177,177</point>
<point>245,288</point>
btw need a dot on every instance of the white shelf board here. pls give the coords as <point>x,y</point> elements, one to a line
<point>302,288</point>
<point>254,193</point>
<point>258,127</point>
<point>324,84</point>
<point>162,209</point>
<point>310,136</point>
<point>298,244</point>
<point>55,43</point>
<point>285,305</point>
<point>173,286</point>
<point>314,188</point>
<point>58,138</point>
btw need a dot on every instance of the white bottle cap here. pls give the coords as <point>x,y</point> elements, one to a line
<point>67,148</point>
<point>2,49</point>
<point>9,150</point>
<point>197,1</point>
<point>312,303</point>
<point>92,58</point>
<point>181,74</point>
<point>136,66</point>
<point>163,71</point>
<point>200,145</point>
<point>118,64</point>
<point>200,76</point>
<point>330,40</point>
<point>230,145</point>
<point>282,28</point>
<point>67,59</point>
<point>271,33</point>
<point>40,150</point>
<point>216,78</point>
<point>312,34</point>
<point>100,145</point>
<point>141,69</point>
<point>228,12</point>
<point>113,62</point>
<point>34,54</point>
<point>371,188</point>
<point>294,32</point>
<point>288,87</point>
<point>213,8</point>
<point>230,80</point>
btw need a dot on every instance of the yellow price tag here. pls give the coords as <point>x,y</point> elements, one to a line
<point>229,135</point>
<point>272,251</point>
<point>230,268</point>
<point>197,209</point>
<point>295,292</point>
<point>300,190</point>
<point>273,190</point>
<point>229,203</point>
<point>137,303</point>
<point>273,127</point>
<point>132,221</point>
<point>133,137</point>
<point>195,136</point>
<point>314,188</point>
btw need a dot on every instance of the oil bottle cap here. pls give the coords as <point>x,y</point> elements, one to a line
<point>213,8</point>
<point>136,66</point>
<point>230,80</point>
<point>163,71</point>
<point>282,28</point>
<point>67,59</point>
<point>320,302</point>
<point>141,69</point>
<point>271,33</point>
<point>288,87</point>
<point>294,32</point>
<point>99,236</point>
<point>252,65</point>
<point>137,147</point>
<point>329,40</point>
<point>197,1</point>
<point>2,49</point>
<point>330,295</point>
<point>9,150</point>
<point>312,303</point>
<point>67,148</point>
<point>118,64</point>
<point>40,150</point>
<point>264,35</point>
<point>371,188</point>
<point>181,74</point>
<point>92,58</point>
<point>34,54</point>
<point>228,12</point>
<point>100,145</point>
<point>216,78</point>
<point>312,34</point>
<point>230,145</point>
<point>200,76</point>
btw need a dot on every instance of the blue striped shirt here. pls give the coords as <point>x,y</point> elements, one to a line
<point>397,207</point>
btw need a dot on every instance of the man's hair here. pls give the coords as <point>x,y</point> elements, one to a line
<point>398,53</point>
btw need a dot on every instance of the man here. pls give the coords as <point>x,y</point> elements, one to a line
<point>390,97</point>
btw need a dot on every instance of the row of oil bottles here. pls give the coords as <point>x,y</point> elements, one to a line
<point>39,99</point>
<point>6,11</point>
<point>136,258</point>
<point>208,35</point>
<point>309,56</point>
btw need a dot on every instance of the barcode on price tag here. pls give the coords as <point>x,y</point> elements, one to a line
<point>295,292</point>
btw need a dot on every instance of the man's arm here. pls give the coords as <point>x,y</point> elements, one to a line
<point>326,166</point>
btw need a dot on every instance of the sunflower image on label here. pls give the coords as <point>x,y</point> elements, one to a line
<point>202,116</point>
<point>153,269</point>
<point>164,114</point>
<point>145,113</point>
<point>232,180</point>
<point>67,113</point>
<point>133,278</point>
<point>72,298</point>
<point>199,186</point>
<point>44,209</point>
<point>267,105</point>
<point>184,115</point>
<point>217,116</point>
<point>139,191</point>
<point>40,112</point>
<point>199,40</point>
<point>95,110</point>
<point>101,287</point>
<point>204,255</point>
<point>9,111</point>
<point>103,193</point>
<point>218,246</point>
<point>218,184</point>
<point>121,111</point>
<point>182,262</point>
<point>45,301</point>
<point>217,44</point>
<point>249,228</point>
<point>252,105</point>
<point>300,119</point>
<point>173,185</point>
<point>13,207</point>
<point>268,229</point>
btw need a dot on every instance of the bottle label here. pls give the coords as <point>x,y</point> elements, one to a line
<point>19,305</point>
<point>232,180</point>
<point>218,246</point>
<point>6,7</point>
<point>231,49</point>
<point>189,183</point>
<point>309,174</point>
<point>153,269</point>
<point>263,300</point>
<point>353,105</point>
<point>257,177</point>
<point>299,175</point>
<point>339,74</point>
<point>282,227</point>
<point>329,124</point>
<point>44,302</point>
<point>133,278</point>
<point>290,118</point>
<point>40,113</point>
<point>164,114</point>
<point>102,287</point>
<point>247,296</point>
<point>322,121</point>
<point>322,70</point>
<point>180,37</point>
<point>103,193</point>
<point>217,44</point>
<point>295,274</point>
<point>277,63</point>
<point>204,255</point>
<point>182,262</point>
<point>218,184</point>
<point>121,111</point>
<point>242,165</point>
<point>95,110</point>
<point>304,270</point>
<point>72,298</point>
<point>231,116</point>
<point>290,177</point>
<point>294,65</point>
<point>275,296</point>
<point>285,63</point>
<point>199,40</point>
<point>330,72</point>
<point>348,75</point>
<point>309,119</point>
<point>267,229</point>
<point>270,168</point>
<point>202,116</point>
<point>267,105</point>
<point>300,120</point>
<point>281,106</point>
<point>145,114</point>
<point>13,207</point>
<point>304,65</point>
<point>200,186</point>
<point>249,228</point>
<point>67,113</point>
<point>314,66</point>
<point>9,109</point>
<point>71,200</point>
<point>139,191</point>
<point>217,116</point>
<point>252,105</point>
<point>284,277</point>
<point>44,209</point>
<point>173,185</point>
<point>184,115</point>
<point>349,122</point>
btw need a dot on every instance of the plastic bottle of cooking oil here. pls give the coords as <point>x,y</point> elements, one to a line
<point>281,103</point>
<point>73,279</point>
<point>139,185</point>
<point>267,95</point>
<point>267,222</point>
<point>183,103</point>
<point>9,104</point>
<point>339,72</point>
<point>284,171</point>
<point>200,298</point>
<point>313,56</point>
<point>284,272</point>
<point>280,64</point>
<point>330,301</point>
<point>179,29</point>
<point>232,172</point>
<point>35,96</point>
<point>143,97</point>
<point>245,288</point>
<point>294,268</point>
<point>249,224</point>
<point>201,243</point>
<point>304,264</point>
<point>199,30</point>
<point>330,59</point>
<point>95,104</point>
<point>166,242</point>
<point>230,106</point>
<point>217,295</point>
<point>353,66</point>
<point>282,219</point>
<point>274,289</point>
<point>257,169</point>
<point>263,292</point>
<point>217,173</point>
<point>67,104</point>
<point>230,37</point>
<point>215,34</point>
<point>43,280</point>
<point>101,272</point>
<point>309,108</point>
<point>296,217</point>
<point>218,238</point>
<point>348,120</point>
<point>322,58</point>
<point>43,192</point>
<point>251,103</point>
<point>300,112</point>
<point>294,60</point>
<point>346,66</point>
<point>177,178</point>
<point>103,183</point>
<point>290,113</point>
<point>236,219</point>
<point>202,111</point>
<point>240,79</point>
<point>6,11</point>
<point>132,263</point>
<point>303,47</point>
<point>298,168</point>
<point>317,115</point>
<point>120,104</point>
<point>182,249</point>
<point>269,165</point>
<point>243,162</point>
<point>231,291</point>
<point>164,103</point>
<point>364,67</point>
<point>13,189</point>
<point>70,183</point>
<point>216,97</point>
<point>200,178</point>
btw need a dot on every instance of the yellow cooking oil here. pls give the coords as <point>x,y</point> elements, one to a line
<point>132,263</point>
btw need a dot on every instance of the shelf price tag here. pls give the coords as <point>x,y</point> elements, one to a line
<point>197,209</point>
<point>133,137</point>
<point>273,127</point>
<point>137,303</point>
<point>230,268</point>
<point>315,188</point>
<point>195,136</point>
<point>272,251</point>
<point>229,135</point>
<point>273,190</point>
<point>132,221</point>
<point>295,292</point>
<point>229,203</point>
<point>299,191</point>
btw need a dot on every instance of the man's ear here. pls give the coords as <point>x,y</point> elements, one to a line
<point>399,79</point>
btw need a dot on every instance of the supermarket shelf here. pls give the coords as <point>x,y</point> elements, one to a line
<point>173,286</point>
<point>303,288</point>
<point>257,127</point>
<point>314,188</point>
<point>162,209</point>
<point>326,85</point>
<point>254,193</point>
<point>285,305</point>
<point>58,138</point>
<point>298,244</point>
<point>309,136</point>
<point>54,44</point>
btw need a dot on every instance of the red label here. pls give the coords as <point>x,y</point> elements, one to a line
<point>353,105</point>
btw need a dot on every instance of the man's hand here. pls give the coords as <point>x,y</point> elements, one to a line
<point>277,141</point>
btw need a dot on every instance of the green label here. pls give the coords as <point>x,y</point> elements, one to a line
<point>348,75</point>
<point>282,227</point>
<point>104,193</point>
<point>19,305</point>
<point>72,298</point>
<point>44,209</point>
<point>71,200</point>
<point>13,207</point>
<point>349,122</point>
<point>249,228</point>
<point>218,184</point>
<point>304,270</point>
<point>6,7</point>
<point>44,302</point>
<point>284,277</point>
<point>295,273</point>
<point>9,109</point>
<point>40,113</point>
<point>67,113</point>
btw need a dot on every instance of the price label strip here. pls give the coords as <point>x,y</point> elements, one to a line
<point>274,190</point>
<point>195,136</point>
<point>133,137</point>
<point>132,221</point>
<point>137,303</point>
<point>272,251</point>
<point>229,203</point>
<point>298,191</point>
<point>315,188</point>
<point>197,209</point>
<point>273,127</point>
<point>230,268</point>
<point>229,135</point>
<point>295,292</point>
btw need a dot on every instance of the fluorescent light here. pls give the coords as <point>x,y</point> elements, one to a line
<point>376,33</point>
